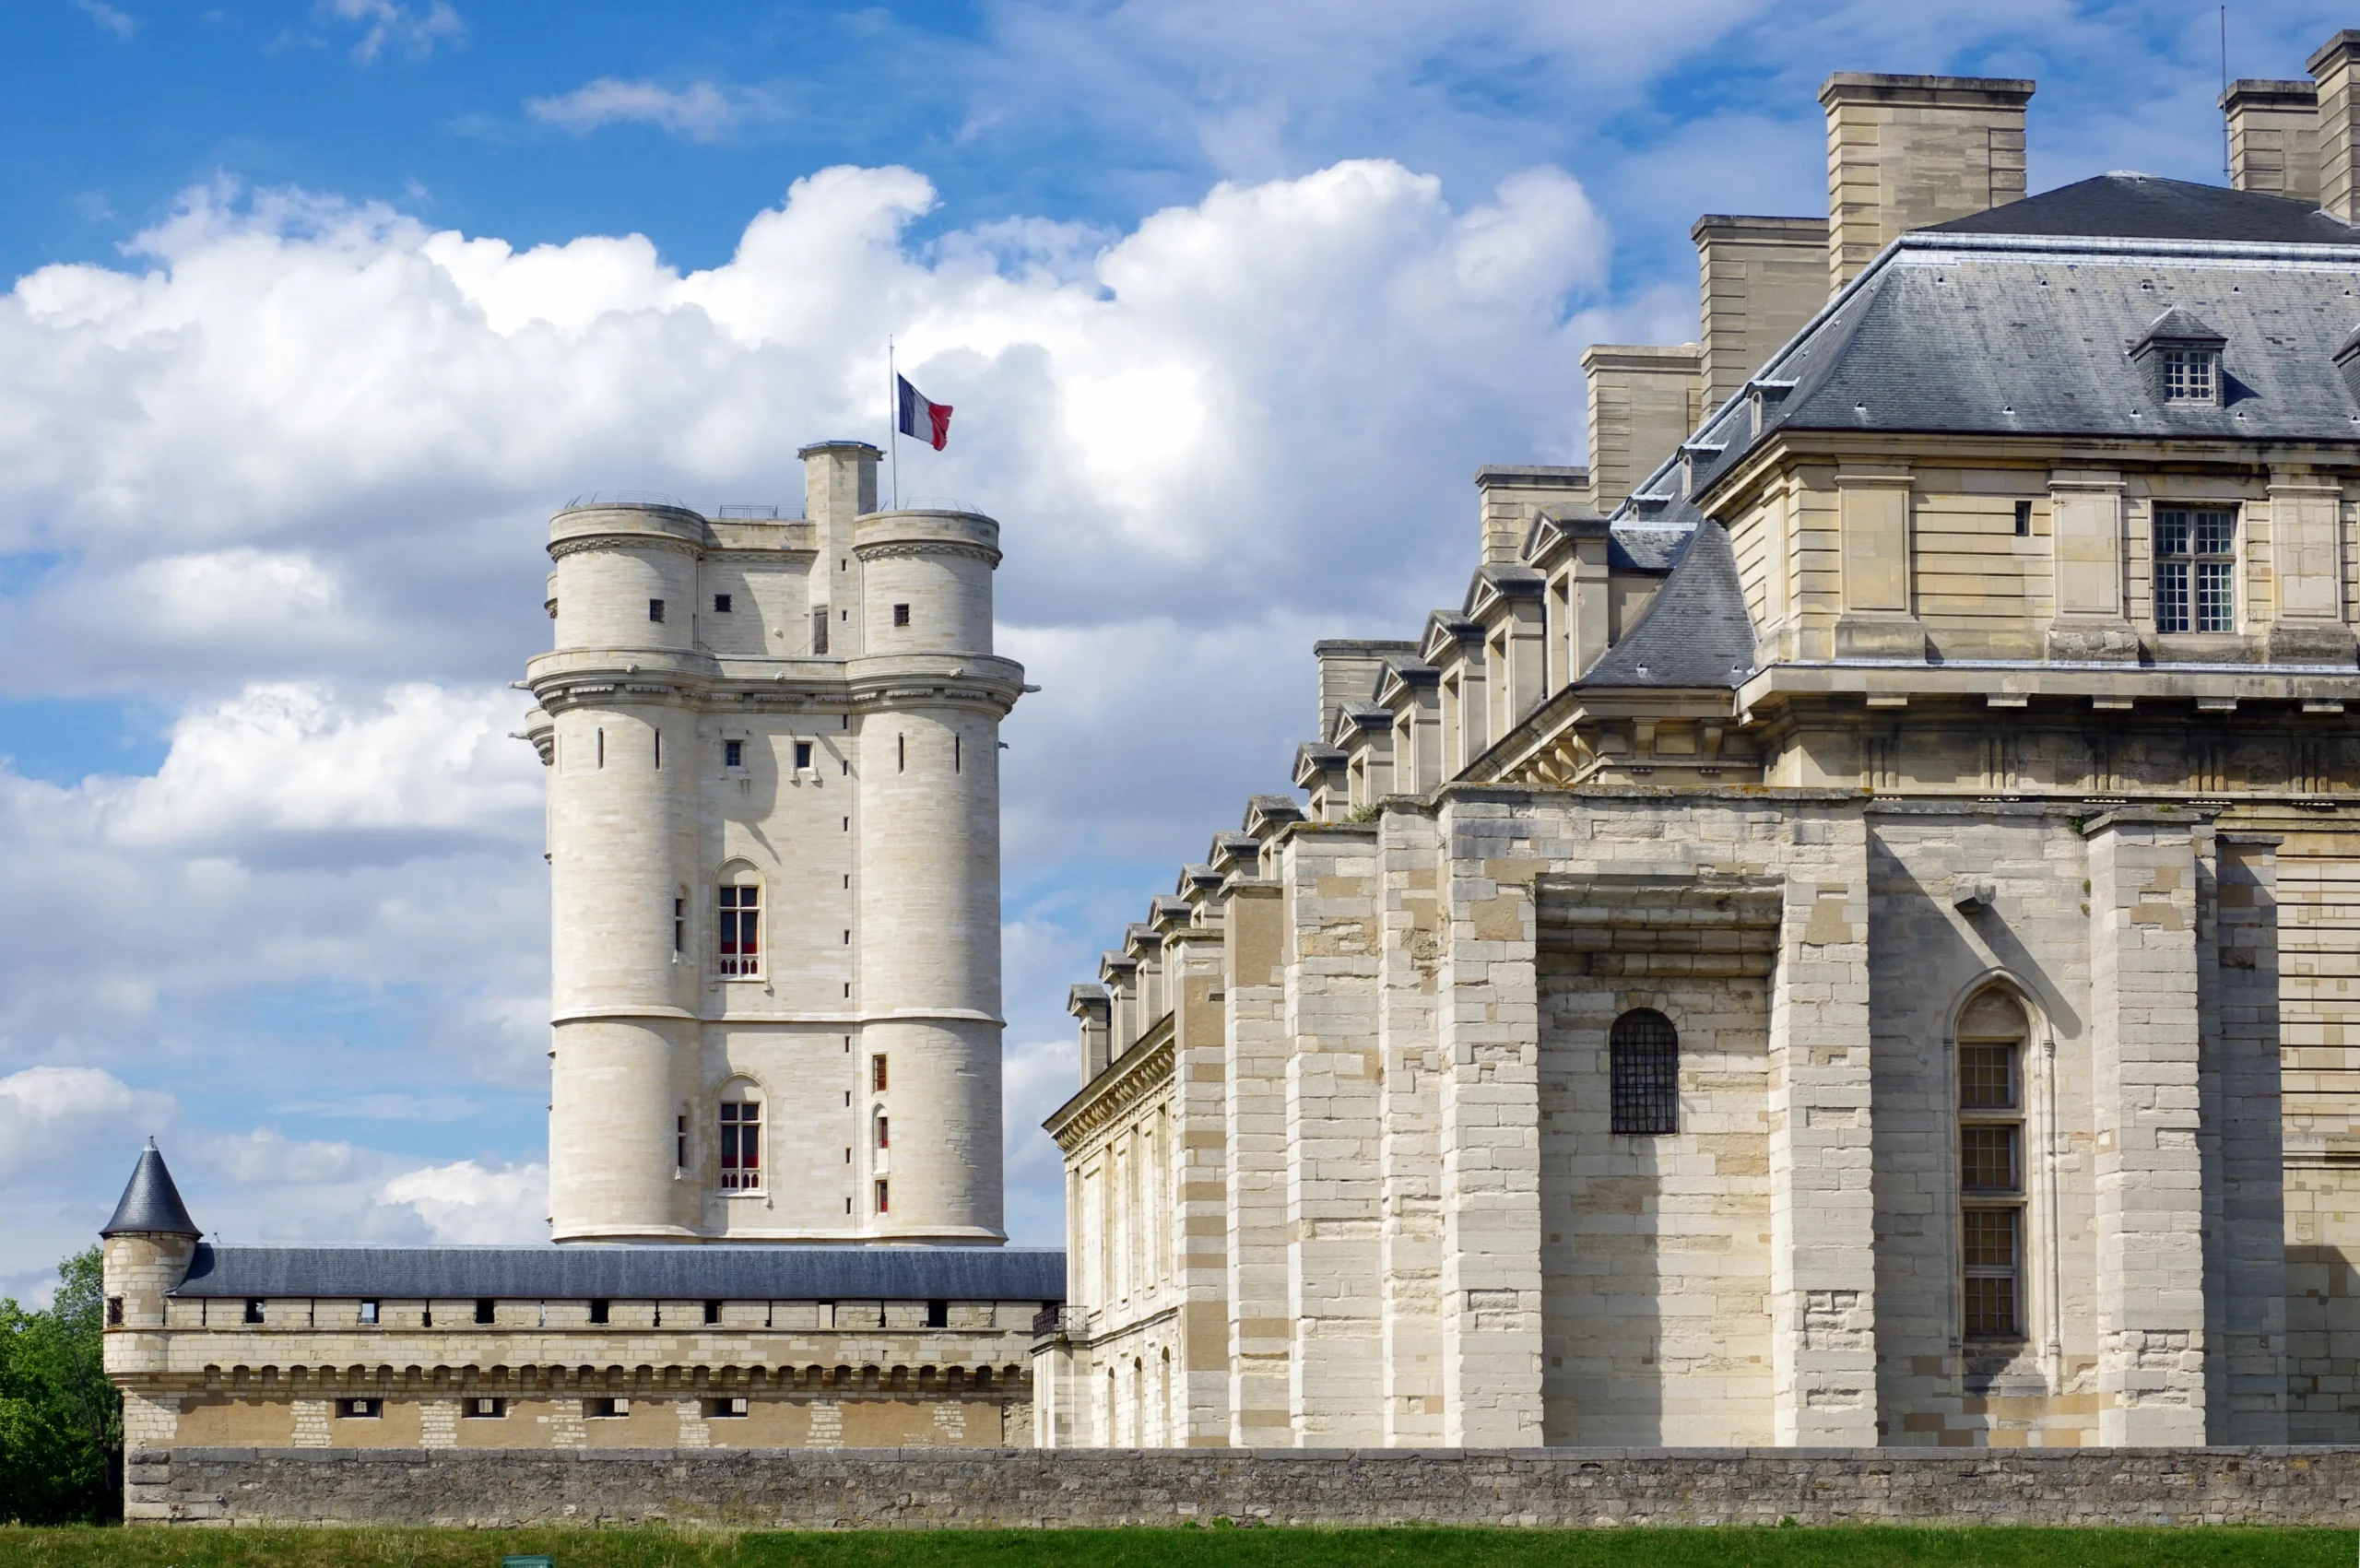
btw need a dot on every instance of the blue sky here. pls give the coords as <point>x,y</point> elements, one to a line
<point>319,308</point>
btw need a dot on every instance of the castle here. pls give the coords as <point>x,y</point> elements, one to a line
<point>772,747</point>
<point>1843,936</point>
<point>1845,933</point>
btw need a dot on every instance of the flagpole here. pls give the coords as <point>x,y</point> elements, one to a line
<point>893,417</point>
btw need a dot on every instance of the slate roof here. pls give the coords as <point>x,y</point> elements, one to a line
<point>151,1203</point>
<point>2000,333</point>
<point>1694,632</point>
<point>2143,207</point>
<point>631,1273</point>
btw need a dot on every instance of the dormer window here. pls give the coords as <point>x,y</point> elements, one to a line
<point>2180,357</point>
<point>2192,375</point>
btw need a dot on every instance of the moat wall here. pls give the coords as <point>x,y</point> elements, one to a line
<point>804,1489</point>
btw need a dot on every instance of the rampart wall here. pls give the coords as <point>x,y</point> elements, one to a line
<point>841,1488</point>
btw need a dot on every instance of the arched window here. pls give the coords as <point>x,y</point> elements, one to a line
<point>740,929</point>
<point>1991,1034</point>
<point>741,1137</point>
<point>1644,1051</point>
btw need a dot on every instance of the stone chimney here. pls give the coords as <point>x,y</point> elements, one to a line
<point>1761,278</point>
<point>1643,403</point>
<point>2274,137</point>
<point>2335,67</point>
<point>1348,671</point>
<point>1513,497</point>
<point>1904,152</point>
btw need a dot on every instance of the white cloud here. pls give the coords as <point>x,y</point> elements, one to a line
<point>394,23</point>
<point>468,1204</point>
<point>699,110</point>
<point>121,24</point>
<point>49,1115</point>
<point>291,466</point>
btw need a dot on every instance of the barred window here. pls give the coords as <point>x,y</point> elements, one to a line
<point>2196,563</point>
<point>741,1145</point>
<point>1644,1051</point>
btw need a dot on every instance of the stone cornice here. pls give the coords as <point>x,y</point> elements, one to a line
<point>906,549</point>
<point>1145,1068</point>
<point>621,540</point>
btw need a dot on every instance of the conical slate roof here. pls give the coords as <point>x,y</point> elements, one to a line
<point>151,1204</point>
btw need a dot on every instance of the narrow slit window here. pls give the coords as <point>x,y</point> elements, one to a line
<point>680,925</point>
<point>2024,520</point>
<point>884,1133</point>
<point>884,1198</point>
<point>2196,563</point>
<point>602,747</point>
<point>819,632</point>
<point>742,1146</point>
<point>877,1075</point>
<point>659,751</point>
<point>680,1142</point>
<point>901,753</point>
<point>1643,1064</point>
<point>957,763</point>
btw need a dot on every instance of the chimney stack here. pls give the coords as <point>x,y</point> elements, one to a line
<point>1904,152</point>
<point>1643,403</point>
<point>1761,278</point>
<point>1514,497</point>
<point>2334,67</point>
<point>2274,138</point>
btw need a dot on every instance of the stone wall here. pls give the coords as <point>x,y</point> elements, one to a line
<point>803,1490</point>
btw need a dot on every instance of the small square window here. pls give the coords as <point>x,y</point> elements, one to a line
<point>483,1310</point>
<point>937,1314</point>
<point>802,754</point>
<point>361,1409</point>
<point>487,1409</point>
<point>599,1311</point>
<point>369,1314</point>
<point>253,1310</point>
<point>656,609</point>
<point>733,753</point>
<point>721,604</point>
<point>901,615</point>
<point>114,1312</point>
<point>713,1311</point>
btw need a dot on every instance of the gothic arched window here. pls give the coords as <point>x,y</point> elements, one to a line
<point>1645,1054</point>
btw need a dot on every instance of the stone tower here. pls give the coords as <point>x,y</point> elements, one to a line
<point>772,748</point>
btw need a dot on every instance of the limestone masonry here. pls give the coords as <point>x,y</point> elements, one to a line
<point>1845,935</point>
<point>772,754</point>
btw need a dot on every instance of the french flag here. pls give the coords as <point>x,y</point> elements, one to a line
<point>928,422</point>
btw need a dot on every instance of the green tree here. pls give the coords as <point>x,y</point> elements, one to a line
<point>61,1420</point>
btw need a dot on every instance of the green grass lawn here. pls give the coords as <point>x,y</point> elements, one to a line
<point>1216,1547</point>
